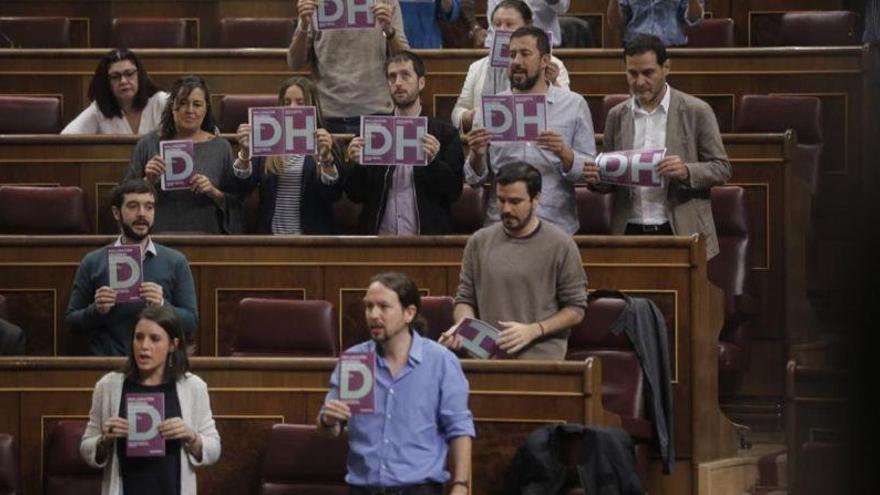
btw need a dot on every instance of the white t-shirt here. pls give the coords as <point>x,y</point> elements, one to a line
<point>92,121</point>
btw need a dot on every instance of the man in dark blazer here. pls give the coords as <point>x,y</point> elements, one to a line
<point>659,116</point>
<point>409,200</point>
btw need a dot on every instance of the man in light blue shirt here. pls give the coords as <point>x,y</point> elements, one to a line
<point>421,409</point>
<point>421,20</point>
<point>560,151</point>
<point>664,19</point>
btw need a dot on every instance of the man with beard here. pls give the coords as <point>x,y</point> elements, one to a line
<point>409,200</point>
<point>93,311</point>
<point>421,403</point>
<point>560,151</point>
<point>522,275</point>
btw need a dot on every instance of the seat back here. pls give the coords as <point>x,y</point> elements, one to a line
<point>29,115</point>
<point>438,311</point>
<point>819,28</point>
<point>763,113</point>
<point>10,482</point>
<point>234,109</point>
<point>469,210</point>
<point>66,473</point>
<point>300,460</point>
<point>35,32</point>
<point>594,211</point>
<point>711,33</point>
<point>608,102</point>
<point>622,376</point>
<point>253,32</point>
<point>43,210</point>
<point>346,214</point>
<point>729,269</point>
<point>151,32</point>
<point>284,327</point>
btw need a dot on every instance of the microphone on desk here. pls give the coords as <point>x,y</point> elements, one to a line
<point>7,39</point>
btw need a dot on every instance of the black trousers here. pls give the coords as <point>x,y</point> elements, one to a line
<point>422,489</point>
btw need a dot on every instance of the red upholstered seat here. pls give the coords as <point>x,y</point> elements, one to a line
<point>35,32</point>
<point>346,214</point>
<point>234,109</point>
<point>819,28</point>
<point>43,210</point>
<point>299,460</point>
<point>763,113</point>
<point>10,482</point>
<point>65,471</point>
<point>729,270</point>
<point>711,33</point>
<point>29,115</point>
<point>594,211</point>
<point>469,210</point>
<point>284,327</point>
<point>438,311</point>
<point>608,102</point>
<point>152,32</point>
<point>253,32</point>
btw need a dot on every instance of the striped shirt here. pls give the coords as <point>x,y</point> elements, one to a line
<point>288,217</point>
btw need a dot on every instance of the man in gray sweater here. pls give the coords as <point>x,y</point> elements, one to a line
<point>93,310</point>
<point>523,275</point>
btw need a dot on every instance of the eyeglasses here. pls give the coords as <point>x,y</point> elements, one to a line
<point>117,76</point>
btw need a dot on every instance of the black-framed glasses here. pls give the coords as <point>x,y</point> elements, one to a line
<point>127,74</point>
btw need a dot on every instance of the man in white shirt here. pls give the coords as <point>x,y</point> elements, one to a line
<point>658,116</point>
<point>559,152</point>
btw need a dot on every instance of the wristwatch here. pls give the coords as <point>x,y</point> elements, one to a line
<point>459,482</point>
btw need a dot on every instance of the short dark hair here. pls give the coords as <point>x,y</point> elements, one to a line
<point>131,186</point>
<point>406,56</point>
<point>178,363</point>
<point>523,8</point>
<point>406,291</point>
<point>644,43</point>
<point>539,34</point>
<point>182,89</point>
<point>102,94</point>
<point>520,172</point>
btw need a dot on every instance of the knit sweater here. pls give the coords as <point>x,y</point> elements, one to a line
<point>111,334</point>
<point>524,279</point>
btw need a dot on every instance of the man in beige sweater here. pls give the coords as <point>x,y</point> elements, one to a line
<point>523,275</point>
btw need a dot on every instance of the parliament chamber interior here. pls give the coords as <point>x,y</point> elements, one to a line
<point>764,342</point>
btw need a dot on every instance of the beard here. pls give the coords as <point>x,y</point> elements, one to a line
<point>524,84</point>
<point>130,233</point>
<point>406,100</point>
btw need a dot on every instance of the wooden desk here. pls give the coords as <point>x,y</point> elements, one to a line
<point>96,163</point>
<point>248,395</point>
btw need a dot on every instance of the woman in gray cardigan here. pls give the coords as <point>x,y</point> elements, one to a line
<point>157,365</point>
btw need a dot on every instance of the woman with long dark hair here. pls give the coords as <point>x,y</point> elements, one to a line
<point>157,364</point>
<point>297,192</point>
<point>213,203</point>
<point>124,100</point>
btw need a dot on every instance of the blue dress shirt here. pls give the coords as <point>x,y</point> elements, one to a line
<point>662,18</point>
<point>405,441</point>
<point>421,24</point>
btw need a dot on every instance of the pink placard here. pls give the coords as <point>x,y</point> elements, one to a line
<point>125,272</point>
<point>179,158</point>
<point>145,413</point>
<point>357,372</point>
<point>282,130</point>
<point>500,56</point>
<point>345,14</point>
<point>393,140</point>
<point>631,167</point>
<point>515,117</point>
<point>479,338</point>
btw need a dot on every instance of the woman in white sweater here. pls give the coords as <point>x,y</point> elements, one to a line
<point>124,99</point>
<point>156,365</point>
<point>483,79</point>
